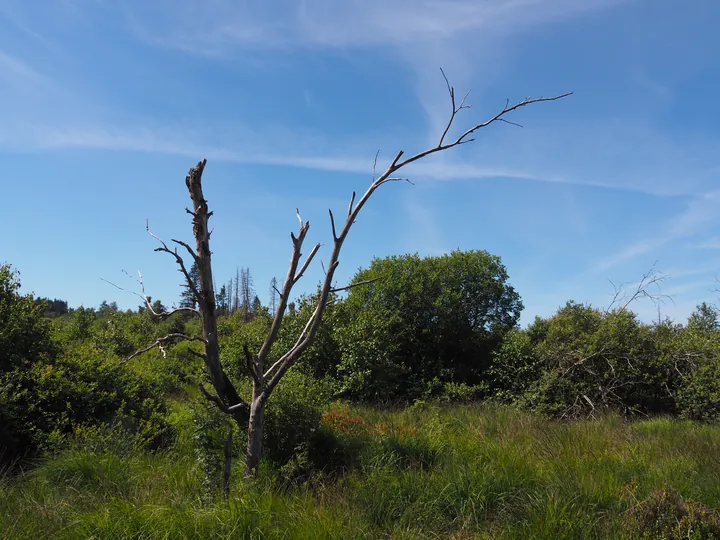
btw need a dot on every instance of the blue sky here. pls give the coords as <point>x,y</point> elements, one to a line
<point>105,105</point>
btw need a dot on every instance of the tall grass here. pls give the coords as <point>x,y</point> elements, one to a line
<point>425,472</point>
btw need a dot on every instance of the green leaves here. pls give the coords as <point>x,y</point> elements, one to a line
<point>24,333</point>
<point>424,319</point>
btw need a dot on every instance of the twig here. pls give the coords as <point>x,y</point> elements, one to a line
<point>179,260</point>
<point>162,342</point>
<point>353,285</point>
<point>308,260</point>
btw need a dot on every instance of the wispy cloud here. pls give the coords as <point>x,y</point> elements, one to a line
<point>712,243</point>
<point>282,146</point>
<point>696,218</point>
<point>425,35</point>
<point>245,148</point>
<point>219,26</point>
<point>629,253</point>
<point>12,69</point>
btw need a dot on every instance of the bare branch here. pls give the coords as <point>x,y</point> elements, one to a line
<point>396,180</point>
<point>215,399</point>
<point>451,91</point>
<point>180,262</point>
<point>164,341</point>
<point>353,285</point>
<point>231,410</point>
<point>197,354</point>
<point>187,246</point>
<point>498,116</point>
<point>394,164</point>
<point>650,279</point>
<point>462,103</point>
<point>332,224</point>
<point>144,298</point>
<point>455,109</point>
<point>463,138</point>
<point>308,260</point>
<point>272,368</point>
<point>288,355</point>
<point>374,167</point>
<point>290,281</point>
<point>352,201</point>
<point>509,122</point>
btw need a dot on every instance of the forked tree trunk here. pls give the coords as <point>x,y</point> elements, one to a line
<point>226,397</point>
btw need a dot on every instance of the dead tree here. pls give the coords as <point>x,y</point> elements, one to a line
<point>273,295</point>
<point>250,414</point>
<point>246,292</point>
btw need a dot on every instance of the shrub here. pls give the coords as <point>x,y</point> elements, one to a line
<point>452,392</point>
<point>24,333</point>
<point>293,414</point>
<point>49,400</point>
<point>514,368</point>
<point>699,396</point>
<point>592,362</point>
<point>423,319</point>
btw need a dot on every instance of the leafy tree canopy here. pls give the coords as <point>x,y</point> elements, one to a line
<point>424,319</point>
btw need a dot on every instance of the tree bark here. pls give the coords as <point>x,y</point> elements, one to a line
<point>206,295</point>
<point>256,426</point>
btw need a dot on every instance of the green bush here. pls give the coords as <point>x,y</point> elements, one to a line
<point>49,400</point>
<point>452,392</point>
<point>699,396</point>
<point>694,354</point>
<point>514,368</point>
<point>591,362</point>
<point>24,332</point>
<point>292,418</point>
<point>423,319</point>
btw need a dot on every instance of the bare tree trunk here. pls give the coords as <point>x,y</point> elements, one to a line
<point>273,295</point>
<point>256,426</point>
<point>236,300</point>
<point>229,297</point>
<point>245,292</point>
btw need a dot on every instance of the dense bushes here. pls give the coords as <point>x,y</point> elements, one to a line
<point>24,333</point>
<point>583,362</point>
<point>444,328</point>
<point>50,389</point>
<point>292,419</point>
<point>48,400</point>
<point>415,325</point>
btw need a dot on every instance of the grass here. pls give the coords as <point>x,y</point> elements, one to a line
<point>474,471</point>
